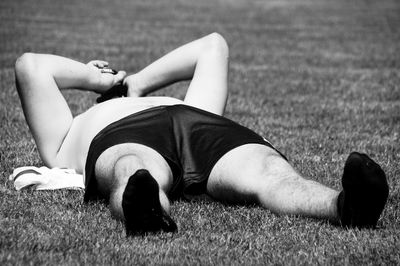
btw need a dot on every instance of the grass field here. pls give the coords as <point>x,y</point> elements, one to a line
<point>319,78</point>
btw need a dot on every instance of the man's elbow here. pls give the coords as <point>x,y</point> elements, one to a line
<point>217,43</point>
<point>25,64</point>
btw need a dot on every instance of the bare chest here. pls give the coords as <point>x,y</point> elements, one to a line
<point>86,126</point>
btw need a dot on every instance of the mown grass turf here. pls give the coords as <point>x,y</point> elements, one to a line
<point>319,78</point>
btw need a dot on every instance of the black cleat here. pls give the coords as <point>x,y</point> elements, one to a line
<point>141,206</point>
<point>364,194</point>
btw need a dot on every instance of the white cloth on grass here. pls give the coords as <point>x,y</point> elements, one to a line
<point>44,178</point>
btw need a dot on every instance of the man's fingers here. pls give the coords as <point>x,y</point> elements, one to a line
<point>99,63</point>
<point>102,63</point>
<point>109,71</point>
<point>119,77</point>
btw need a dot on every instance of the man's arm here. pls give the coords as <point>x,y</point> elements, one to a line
<point>39,78</point>
<point>203,61</point>
<point>68,73</point>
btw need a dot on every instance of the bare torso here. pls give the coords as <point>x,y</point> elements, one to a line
<point>86,126</point>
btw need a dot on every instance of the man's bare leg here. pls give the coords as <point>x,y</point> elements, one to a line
<point>204,61</point>
<point>255,173</point>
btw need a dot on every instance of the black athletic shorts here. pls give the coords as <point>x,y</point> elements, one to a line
<point>191,140</point>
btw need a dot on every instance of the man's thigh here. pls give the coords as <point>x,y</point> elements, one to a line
<point>245,172</point>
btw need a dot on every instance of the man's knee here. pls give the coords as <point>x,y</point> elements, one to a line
<point>247,173</point>
<point>268,173</point>
<point>275,172</point>
<point>216,43</point>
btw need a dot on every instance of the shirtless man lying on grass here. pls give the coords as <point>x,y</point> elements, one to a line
<point>139,152</point>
